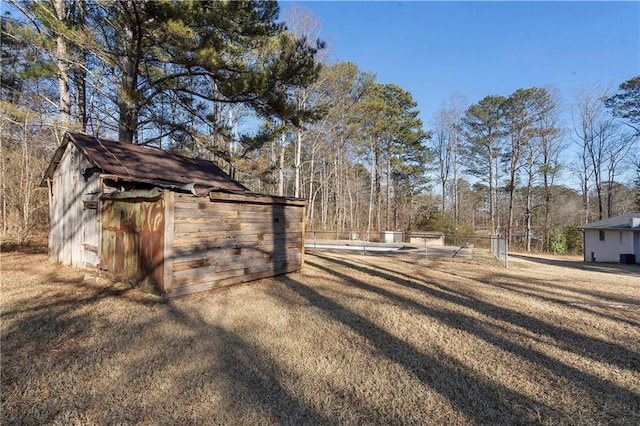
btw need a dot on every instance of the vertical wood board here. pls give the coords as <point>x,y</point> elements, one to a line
<point>133,240</point>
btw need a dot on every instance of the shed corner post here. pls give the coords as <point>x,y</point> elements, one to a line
<point>304,231</point>
<point>51,218</point>
<point>167,258</point>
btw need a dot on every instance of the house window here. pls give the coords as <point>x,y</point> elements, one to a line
<point>601,234</point>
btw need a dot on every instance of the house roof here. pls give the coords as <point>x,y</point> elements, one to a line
<point>138,163</point>
<point>614,223</point>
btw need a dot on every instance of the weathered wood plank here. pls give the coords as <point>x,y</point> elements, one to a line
<point>235,276</point>
<point>169,205</point>
<point>186,228</point>
<point>231,198</point>
<point>262,219</point>
<point>218,264</point>
<point>204,213</point>
<point>226,238</point>
<point>255,198</point>
<point>189,246</point>
<point>205,205</point>
<point>192,253</point>
<point>185,277</point>
<point>245,211</point>
<point>209,226</point>
<point>213,284</point>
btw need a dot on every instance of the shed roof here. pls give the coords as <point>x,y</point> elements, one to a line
<point>619,222</point>
<point>138,163</point>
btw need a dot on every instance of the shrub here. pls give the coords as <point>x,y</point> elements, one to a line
<point>573,238</point>
<point>558,242</point>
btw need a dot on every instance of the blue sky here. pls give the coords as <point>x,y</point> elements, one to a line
<point>435,49</point>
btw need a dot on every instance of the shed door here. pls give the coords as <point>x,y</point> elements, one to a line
<point>91,229</point>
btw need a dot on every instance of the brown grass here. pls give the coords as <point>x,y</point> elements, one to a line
<point>351,339</point>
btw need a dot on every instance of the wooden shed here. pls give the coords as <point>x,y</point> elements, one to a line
<point>174,224</point>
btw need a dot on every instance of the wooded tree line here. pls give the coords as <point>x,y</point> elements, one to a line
<point>518,147</point>
<point>230,82</point>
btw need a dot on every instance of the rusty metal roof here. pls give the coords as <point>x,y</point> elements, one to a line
<point>137,163</point>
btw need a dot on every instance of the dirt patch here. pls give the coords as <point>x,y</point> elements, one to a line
<point>351,339</point>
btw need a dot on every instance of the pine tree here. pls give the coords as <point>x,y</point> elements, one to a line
<point>159,69</point>
<point>626,104</point>
<point>484,132</point>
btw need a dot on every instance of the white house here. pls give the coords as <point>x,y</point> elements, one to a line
<point>616,239</point>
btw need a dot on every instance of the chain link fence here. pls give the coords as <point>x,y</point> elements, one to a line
<point>500,249</point>
<point>433,243</point>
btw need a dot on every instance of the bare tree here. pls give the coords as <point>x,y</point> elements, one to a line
<point>447,127</point>
<point>593,132</point>
<point>604,144</point>
<point>551,145</point>
<point>303,24</point>
<point>617,158</point>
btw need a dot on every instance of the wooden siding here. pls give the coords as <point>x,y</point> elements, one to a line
<point>73,231</point>
<point>232,238</point>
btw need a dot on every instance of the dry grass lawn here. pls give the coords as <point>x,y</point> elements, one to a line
<point>351,339</point>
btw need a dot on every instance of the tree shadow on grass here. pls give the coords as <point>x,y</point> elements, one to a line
<point>53,348</point>
<point>579,300</point>
<point>580,305</point>
<point>249,374</point>
<point>596,349</point>
<point>615,395</point>
<point>607,268</point>
<point>484,401</point>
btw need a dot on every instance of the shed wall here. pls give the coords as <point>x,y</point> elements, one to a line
<point>72,229</point>
<point>219,241</point>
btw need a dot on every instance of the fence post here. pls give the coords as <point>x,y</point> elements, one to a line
<point>506,252</point>
<point>425,247</point>
<point>364,246</point>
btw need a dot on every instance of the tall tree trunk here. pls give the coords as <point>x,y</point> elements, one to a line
<point>528,204</point>
<point>388,215</point>
<point>62,54</point>
<point>80,73</point>
<point>371,192</point>
<point>129,102</point>
<point>598,182</point>
<point>512,183</point>
<point>297,164</point>
<point>492,194</point>
<point>280,166</point>
<point>81,87</point>
<point>336,191</point>
<point>515,159</point>
<point>585,184</point>
<point>312,195</point>
<point>3,178</point>
<point>378,189</point>
<point>528,218</point>
<point>547,201</point>
<point>454,164</point>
